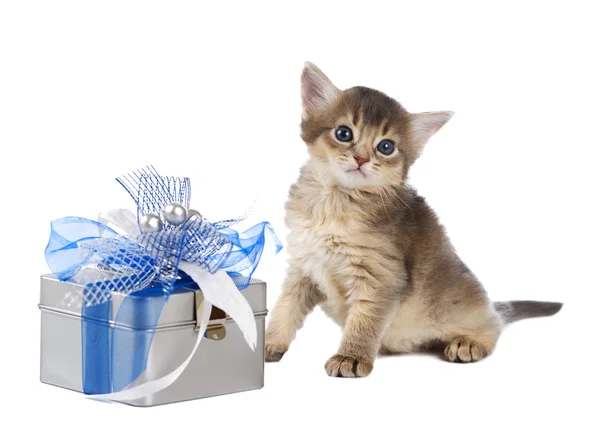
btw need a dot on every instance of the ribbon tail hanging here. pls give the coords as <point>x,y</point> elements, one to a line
<point>221,291</point>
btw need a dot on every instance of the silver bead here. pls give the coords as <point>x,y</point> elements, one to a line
<point>175,214</point>
<point>192,213</point>
<point>151,223</point>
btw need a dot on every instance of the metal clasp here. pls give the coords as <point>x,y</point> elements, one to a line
<point>215,330</point>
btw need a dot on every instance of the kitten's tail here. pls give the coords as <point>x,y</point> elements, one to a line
<point>516,310</point>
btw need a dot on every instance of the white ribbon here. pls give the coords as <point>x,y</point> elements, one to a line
<point>123,219</point>
<point>218,289</point>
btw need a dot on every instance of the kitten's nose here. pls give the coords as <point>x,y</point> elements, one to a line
<point>360,161</point>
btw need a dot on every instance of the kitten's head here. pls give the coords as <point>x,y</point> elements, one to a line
<point>360,136</point>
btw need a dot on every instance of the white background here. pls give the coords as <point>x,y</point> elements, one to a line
<point>92,90</point>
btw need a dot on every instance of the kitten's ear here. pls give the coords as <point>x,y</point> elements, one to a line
<point>317,91</point>
<point>425,125</point>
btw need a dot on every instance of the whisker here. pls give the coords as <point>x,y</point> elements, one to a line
<point>383,204</point>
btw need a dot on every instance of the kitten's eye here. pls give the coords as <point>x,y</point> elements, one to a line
<point>386,147</point>
<point>344,134</point>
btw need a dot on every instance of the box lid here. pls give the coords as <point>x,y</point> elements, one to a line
<point>66,297</point>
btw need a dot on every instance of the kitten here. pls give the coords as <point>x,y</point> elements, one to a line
<point>368,249</point>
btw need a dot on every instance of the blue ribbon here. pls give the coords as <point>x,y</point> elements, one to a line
<point>145,269</point>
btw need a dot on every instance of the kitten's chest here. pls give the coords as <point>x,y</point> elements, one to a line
<point>325,244</point>
<point>320,250</point>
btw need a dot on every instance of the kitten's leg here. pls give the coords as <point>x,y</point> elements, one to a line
<point>298,298</point>
<point>370,312</point>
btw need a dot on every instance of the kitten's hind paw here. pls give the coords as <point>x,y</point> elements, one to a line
<point>273,352</point>
<point>464,350</point>
<point>346,366</point>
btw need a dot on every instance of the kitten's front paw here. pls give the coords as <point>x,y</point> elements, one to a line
<point>346,366</point>
<point>274,352</point>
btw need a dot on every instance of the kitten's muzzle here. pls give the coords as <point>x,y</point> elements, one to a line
<point>356,170</point>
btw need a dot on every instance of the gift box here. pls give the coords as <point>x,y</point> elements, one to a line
<point>222,364</point>
<point>159,307</point>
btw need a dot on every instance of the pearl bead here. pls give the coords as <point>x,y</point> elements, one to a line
<point>192,213</point>
<point>151,223</point>
<point>175,214</point>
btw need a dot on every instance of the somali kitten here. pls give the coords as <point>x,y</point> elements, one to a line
<point>368,249</point>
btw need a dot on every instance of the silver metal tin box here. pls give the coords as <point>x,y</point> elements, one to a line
<point>223,363</point>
